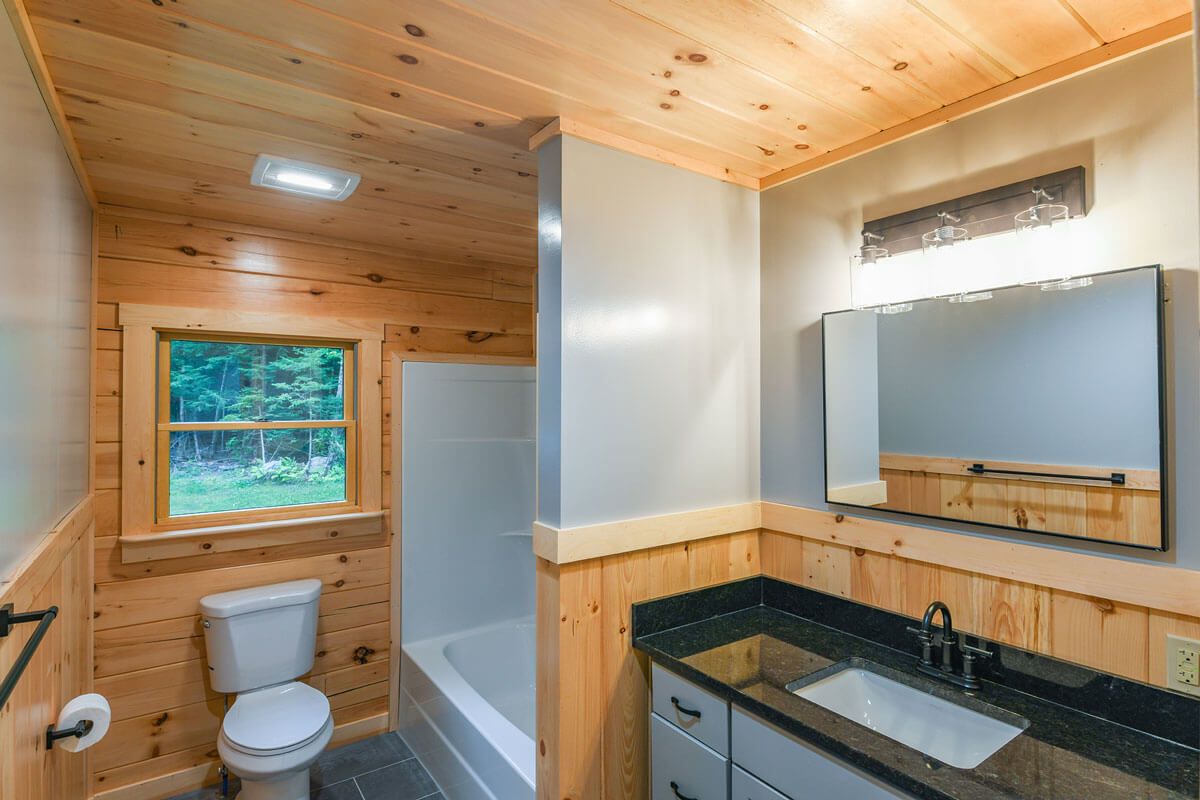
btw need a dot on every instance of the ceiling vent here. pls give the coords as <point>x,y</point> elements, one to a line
<point>300,177</point>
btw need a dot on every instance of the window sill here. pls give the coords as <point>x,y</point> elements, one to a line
<point>246,536</point>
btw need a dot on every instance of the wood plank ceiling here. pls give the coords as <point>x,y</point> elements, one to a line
<point>434,101</point>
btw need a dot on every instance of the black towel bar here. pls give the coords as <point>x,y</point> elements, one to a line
<point>7,620</point>
<point>1115,478</point>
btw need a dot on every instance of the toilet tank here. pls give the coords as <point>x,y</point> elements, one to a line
<point>260,636</point>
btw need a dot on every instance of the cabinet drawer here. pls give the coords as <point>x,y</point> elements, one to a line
<point>690,708</point>
<point>798,769</point>
<point>747,787</point>
<point>683,767</point>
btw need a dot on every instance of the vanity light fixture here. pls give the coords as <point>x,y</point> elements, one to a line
<point>871,251</point>
<point>1033,223</point>
<point>893,308</point>
<point>303,178</point>
<point>945,234</point>
<point>1042,214</point>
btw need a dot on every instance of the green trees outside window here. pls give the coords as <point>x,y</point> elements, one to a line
<point>257,425</point>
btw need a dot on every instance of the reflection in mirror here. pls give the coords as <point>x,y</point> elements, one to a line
<point>1030,409</point>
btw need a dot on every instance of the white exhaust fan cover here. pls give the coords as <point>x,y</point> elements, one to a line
<point>300,177</point>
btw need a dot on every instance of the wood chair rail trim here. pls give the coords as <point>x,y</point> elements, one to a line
<point>568,545</point>
<point>1156,586</point>
<point>1160,587</point>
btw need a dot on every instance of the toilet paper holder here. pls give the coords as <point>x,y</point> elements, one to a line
<point>79,730</point>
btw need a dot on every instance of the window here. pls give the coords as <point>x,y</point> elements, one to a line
<point>242,430</point>
<point>253,425</point>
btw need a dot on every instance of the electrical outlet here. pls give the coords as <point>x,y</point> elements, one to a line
<point>1183,664</point>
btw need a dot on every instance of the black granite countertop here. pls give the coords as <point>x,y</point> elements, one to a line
<point>1091,736</point>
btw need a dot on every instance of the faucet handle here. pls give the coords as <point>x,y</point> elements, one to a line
<point>978,652</point>
<point>925,639</point>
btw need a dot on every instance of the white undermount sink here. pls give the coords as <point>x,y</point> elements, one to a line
<point>951,733</point>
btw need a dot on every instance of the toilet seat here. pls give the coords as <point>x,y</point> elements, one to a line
<point>275,720</point>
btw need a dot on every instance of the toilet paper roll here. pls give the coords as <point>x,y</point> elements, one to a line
<point>85,706</point>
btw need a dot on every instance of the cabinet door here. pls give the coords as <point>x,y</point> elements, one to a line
<point>683,768</point>
<point>690,708</point>
<point>798,769</point>
<point>745,786</point>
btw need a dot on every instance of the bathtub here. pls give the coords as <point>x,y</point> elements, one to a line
<point>467,710</point>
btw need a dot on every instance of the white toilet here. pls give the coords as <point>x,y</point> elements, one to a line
<point>259,641</point>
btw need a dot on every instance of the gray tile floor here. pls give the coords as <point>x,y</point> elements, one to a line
<point>379,768</point>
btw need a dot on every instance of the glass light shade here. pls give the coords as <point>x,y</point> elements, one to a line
<point>894,308</point>
<point>970,297</point>
<point>942,237</point>
<point>1044,244</point>
<point>1041,215</point>
<point>1066,284</point>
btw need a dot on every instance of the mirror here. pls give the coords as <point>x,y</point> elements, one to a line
<point>1030,408</point>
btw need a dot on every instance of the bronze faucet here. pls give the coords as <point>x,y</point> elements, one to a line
<point>966,678</point>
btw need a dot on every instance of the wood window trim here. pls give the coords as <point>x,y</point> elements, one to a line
<point>141,537</point>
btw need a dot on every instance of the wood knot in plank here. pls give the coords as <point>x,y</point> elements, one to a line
<point>1103,605</point>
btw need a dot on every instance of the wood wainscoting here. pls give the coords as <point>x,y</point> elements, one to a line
<point>592,688</point>
<point>943,487</point>
<point>1101,633</point>
<point>149,651</point>
<point>57,573</point>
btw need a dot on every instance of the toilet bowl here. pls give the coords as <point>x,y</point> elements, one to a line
<point>258,642</point>
<point>270,737</point>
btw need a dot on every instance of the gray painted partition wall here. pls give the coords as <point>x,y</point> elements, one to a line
<point>648,333</point>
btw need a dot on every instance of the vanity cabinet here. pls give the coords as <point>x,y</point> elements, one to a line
<point>702,749</point>
<point>797,769</point>
<point>683,767</point>
<point>685,705</point>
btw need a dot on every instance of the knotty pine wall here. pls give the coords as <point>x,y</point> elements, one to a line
<point>593,688</point>
<point>59,574</point>
<point>148,645</point>
<point>1115,637</point>
<point>1115,514</point>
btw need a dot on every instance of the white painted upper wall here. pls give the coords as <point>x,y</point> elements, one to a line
<point>648,338</point>
<point>45,316</point>
<point>1131,124</point>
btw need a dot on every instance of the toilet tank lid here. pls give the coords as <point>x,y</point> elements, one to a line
<point>259,598</point>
